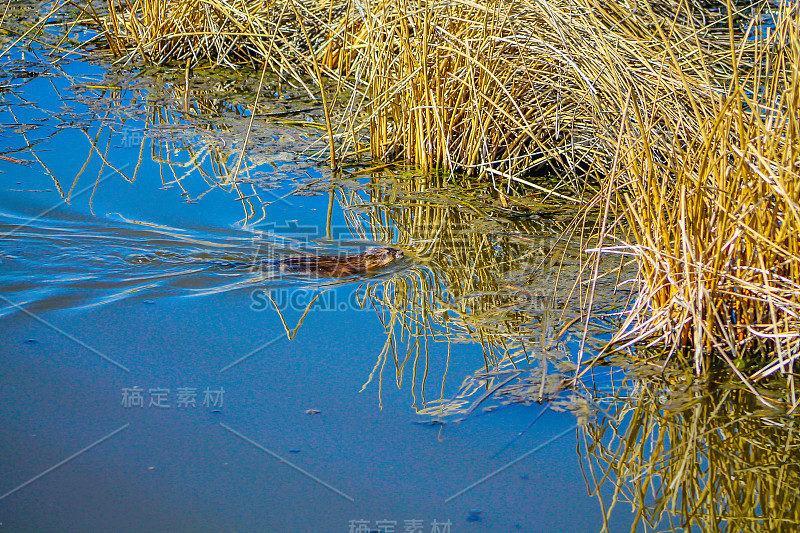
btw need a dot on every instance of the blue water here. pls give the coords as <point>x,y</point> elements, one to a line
<point>108,300</point>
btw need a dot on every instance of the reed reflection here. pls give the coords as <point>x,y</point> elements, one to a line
<point>483,274</point>
<point>691,456</point>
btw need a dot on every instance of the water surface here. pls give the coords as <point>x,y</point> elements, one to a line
<point>153,381</point>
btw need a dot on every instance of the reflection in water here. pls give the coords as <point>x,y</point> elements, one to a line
<point>194,133</point>
<point>484,275</point>
<point>691,457</point>
<point>479,272</point>
<point>186,132</point>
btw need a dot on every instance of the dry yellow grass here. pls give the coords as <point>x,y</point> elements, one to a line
<point>495,88</point>
<point>714,226</point>
<point>502,88</point>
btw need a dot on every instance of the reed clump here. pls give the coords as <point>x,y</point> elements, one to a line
<point>505,89</point>
<point>714,226</point>
<point>217,32</point>
<point>493,88</point>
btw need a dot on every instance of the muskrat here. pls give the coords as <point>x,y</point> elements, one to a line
<point>337,266</point>
<point>329,266</point>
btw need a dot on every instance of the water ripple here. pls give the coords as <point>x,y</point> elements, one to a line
<point>69,262</point>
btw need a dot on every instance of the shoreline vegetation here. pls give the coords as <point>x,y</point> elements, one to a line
<point>674,127</point>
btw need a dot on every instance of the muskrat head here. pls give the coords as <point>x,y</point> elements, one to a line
<point>377,257</point>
